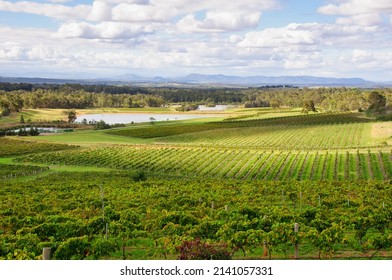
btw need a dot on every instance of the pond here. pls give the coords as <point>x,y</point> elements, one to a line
<point>137,118</point>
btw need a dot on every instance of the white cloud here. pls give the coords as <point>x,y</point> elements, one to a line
<point>136,13</point>
<point>223,16</point>
<point>309,36</point>
<point>50,10</point>
<point>219,14</point>
<point>369,60</point>
<point>101,11</point>
<point>103,30</point>
<point>361,19</point>
<point>290,35</point>
<point>361,12</point>
<point>11,51</point>
<point>354,7</point>
<point>218,21</point>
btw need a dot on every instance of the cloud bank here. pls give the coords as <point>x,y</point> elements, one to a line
<point>351,38</point>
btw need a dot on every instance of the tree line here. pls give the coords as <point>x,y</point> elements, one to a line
<point>15,97</point>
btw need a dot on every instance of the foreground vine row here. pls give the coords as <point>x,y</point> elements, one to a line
<point>70,212</point>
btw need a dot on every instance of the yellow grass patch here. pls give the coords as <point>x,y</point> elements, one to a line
<point>382,131</point>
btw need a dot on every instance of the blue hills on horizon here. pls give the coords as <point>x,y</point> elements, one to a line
<point>203,79</point>
<point>219,79</point>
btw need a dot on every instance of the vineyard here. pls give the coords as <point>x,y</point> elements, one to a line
<point>11,147</point>
<point>238,185</point>
<point>70,212</point>
<point>8,171</point>
<point>179,162</point>
<point>256,120</point>
<point>345,136</point>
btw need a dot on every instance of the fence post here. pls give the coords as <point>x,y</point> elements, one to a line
<point>300,202</point>
<point>265,249</point>
<point>296,254</point>
<point>46,253</point>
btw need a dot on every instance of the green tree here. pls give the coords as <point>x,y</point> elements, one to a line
<point>377,104</point>
<point>275,104</point>
<point>34,131</point>
<point>308,106</point>
<point>5,112</point>
<point>71,116</point>
<point>102,125</point>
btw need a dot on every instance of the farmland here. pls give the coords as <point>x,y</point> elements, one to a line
<point>178,162</point>
<point>140,191</point>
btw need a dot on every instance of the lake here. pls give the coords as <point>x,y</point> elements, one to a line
<point>137,118</point>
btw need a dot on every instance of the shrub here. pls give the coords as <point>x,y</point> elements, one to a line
<point>198,250</point>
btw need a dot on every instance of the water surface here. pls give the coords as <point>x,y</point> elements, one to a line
<point>137,118</point>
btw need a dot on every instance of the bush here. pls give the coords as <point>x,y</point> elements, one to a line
<point>387,117</point>
<point>198,250</point>
<point>102,247</point>
<point>187,107</point>
<point>102,125</point>
<point>138,176</point>
<point>5,112</point>
<point>75,248</point>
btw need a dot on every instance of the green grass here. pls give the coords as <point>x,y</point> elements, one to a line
<point>35,115</point>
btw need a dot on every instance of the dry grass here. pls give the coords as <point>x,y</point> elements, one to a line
<point>382,131</point>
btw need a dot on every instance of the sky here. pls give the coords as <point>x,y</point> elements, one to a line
<point>173,38</point>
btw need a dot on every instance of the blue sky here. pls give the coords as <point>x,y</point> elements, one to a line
<point>108,38</point>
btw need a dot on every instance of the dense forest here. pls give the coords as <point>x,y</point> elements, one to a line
<point>15,97</point>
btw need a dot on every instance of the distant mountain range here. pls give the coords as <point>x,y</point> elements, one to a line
<point>282,80</point>
<point>201,79</point>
